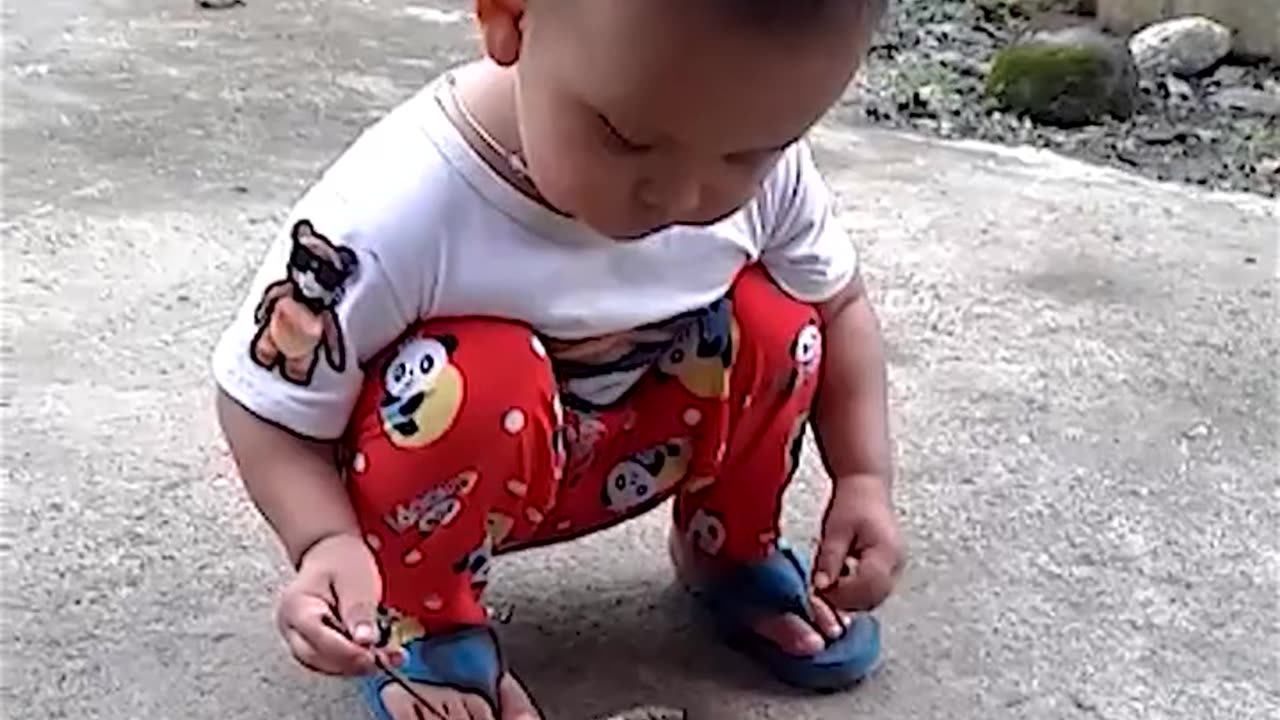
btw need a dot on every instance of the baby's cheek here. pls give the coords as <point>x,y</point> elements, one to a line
<point>577,186</point>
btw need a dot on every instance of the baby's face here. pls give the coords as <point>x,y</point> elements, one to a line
<point>638,114</point>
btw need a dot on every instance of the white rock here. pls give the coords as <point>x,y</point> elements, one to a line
<point>1249,100</point>
<point>1183,46</point>
<point>1179,90</point>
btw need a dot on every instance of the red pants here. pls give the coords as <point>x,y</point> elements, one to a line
<point>461,447</point>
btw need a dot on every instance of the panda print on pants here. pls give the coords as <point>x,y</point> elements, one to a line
<point>706,532</point>
<point>422,391</point>
<point>646,475</point>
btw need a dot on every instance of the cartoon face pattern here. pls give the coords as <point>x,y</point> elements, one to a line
<point>647,475</point>
<point>703,352</point>
<point>318,267</point>
<point>422,391</point>
<point>706,532</point>
<point>807,347</point>
<point>806,352</point>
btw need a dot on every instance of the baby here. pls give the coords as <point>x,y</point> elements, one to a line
<point>558,287</point>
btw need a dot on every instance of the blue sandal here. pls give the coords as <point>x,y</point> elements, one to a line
<point>466,660</point>
<point>779,584</point>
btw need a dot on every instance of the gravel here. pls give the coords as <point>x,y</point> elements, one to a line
<point>928,67</point>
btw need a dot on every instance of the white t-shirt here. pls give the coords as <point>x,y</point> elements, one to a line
<point>434,231</point>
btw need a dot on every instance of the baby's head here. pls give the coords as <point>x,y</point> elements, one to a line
<point>637,114</point>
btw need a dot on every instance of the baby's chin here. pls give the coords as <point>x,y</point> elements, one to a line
<point>633,230</point>
<point>622,228</point>
<point>619,231</point>
<point>625,232</point>
<point>633,236</point>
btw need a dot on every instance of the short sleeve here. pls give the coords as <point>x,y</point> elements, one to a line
<point>803,248</point>
<point>321,303</point>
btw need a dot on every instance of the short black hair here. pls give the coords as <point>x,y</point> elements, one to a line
<point>798,14</point>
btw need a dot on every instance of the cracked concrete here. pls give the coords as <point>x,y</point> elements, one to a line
<point>1084,371</point>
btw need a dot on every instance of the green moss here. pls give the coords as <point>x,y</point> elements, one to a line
<point>1267,141</point>
<point>1060,83</point>
<point>1041,73</point>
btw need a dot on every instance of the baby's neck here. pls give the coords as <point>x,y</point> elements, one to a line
<point>485,95</point>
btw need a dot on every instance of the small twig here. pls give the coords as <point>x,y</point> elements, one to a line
<point>331,621</point>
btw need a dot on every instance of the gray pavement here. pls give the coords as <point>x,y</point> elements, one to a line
<point>1084,373</point>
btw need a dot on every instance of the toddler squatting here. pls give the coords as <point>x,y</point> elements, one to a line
<point>592,272</point>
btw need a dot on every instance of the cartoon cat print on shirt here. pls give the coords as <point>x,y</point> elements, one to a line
<point>296,316</point>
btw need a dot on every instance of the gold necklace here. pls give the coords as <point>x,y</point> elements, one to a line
<point>514,160</point>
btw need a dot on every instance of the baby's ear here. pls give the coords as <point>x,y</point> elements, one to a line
<point>501,28</point>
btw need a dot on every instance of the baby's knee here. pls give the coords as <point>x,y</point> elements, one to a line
<point>778,334</point>
<point>468,377</point>
<point>448,417</point>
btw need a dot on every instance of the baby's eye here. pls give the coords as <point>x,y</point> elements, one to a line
<point>619,142</point>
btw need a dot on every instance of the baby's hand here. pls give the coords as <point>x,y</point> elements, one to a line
<point>327,613</point>
<point>861,553</point>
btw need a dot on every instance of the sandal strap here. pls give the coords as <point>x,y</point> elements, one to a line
<point>776,584</point>
<point>468,660</point>
<point>780,583</point>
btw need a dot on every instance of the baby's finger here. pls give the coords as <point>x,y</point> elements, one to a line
<point>330,642</point>
<point>826,617</point>
<point>306,654</point>
<point>867,586</point>
<point>392,655</point>
<point>833,549</point>
<point>358,589</point>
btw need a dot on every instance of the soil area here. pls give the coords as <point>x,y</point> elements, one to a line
<point>928,67</point>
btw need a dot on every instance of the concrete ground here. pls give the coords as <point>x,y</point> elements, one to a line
<point>1084,378</point>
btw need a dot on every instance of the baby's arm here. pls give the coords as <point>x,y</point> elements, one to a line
<point>296,486</point>
<point>294,482</point>
<point>861,553</point>
<point>282,421</point>
<point>812,258</point>
<point>851,407</point>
